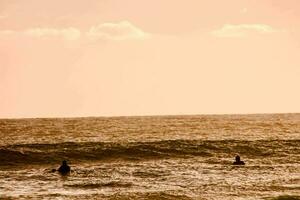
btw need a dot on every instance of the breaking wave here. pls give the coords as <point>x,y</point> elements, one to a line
<point>92,151</point>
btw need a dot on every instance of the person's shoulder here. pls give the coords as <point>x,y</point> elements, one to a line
<point>64,169</point>
<point>239,163</point>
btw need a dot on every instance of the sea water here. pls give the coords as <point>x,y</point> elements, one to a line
<point>157,157</point>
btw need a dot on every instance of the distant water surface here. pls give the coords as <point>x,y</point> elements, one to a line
<point>159,157</point>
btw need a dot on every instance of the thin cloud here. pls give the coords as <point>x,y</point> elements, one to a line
<point>7,32</point>
<point>244,10</point>
<point>3,16</point>
<point>242,30</point>
<point>123,30</point>
<point>67,33</point>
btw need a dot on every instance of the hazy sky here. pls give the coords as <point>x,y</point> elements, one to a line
<point>148,57</point>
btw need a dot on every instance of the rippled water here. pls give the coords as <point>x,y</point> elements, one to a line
<point>170,157</point>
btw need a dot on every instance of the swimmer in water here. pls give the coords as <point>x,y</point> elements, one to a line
<point>64,168</point>
<point>238,161</point>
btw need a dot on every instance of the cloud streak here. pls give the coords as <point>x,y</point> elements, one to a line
<point>3,16</point>
<point>242,30</point>
<point>7,32</point>
<point>67,33</point>
<point>123,30</point>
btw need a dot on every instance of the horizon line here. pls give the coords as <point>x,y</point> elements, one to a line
<point>150,115</point>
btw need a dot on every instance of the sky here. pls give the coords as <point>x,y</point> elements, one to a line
<point>73,58</point>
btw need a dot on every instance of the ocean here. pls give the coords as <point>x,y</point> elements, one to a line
<point>155,157</point>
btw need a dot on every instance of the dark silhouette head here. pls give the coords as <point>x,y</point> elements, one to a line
<point>238,161</point>
<point>64,168</point>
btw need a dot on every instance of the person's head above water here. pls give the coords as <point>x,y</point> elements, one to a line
<point>238,160</point>
<point>64,168</point>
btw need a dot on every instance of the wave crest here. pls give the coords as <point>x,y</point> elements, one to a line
<point>53,153</point>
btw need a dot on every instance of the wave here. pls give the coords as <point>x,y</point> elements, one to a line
<point>92,151</point>
<point>151,196</point>
<point>285,197</point>
<point>99,185</point>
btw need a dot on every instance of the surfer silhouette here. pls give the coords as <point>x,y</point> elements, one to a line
<point>64,168</point>
<point>238,161</point>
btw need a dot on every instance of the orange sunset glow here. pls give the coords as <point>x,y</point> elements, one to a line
<point>68,58</point>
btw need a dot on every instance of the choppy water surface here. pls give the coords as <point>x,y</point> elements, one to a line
<point>171,157</point>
